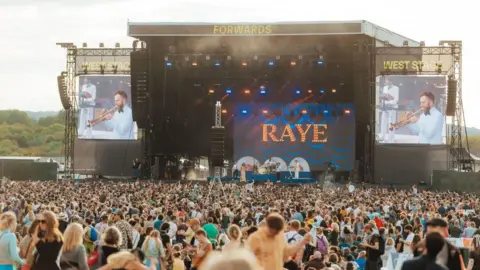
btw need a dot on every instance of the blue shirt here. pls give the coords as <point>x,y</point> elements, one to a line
<point>122,125</point>
<point>429,127</point>
<point>157,224</point>
<point>8,247</point>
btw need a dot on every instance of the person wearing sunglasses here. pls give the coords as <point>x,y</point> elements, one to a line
<point>48,242</point>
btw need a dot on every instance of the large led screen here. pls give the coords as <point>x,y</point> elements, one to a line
<point>310,135</point>
<point>104,108</point>
<point>410,109</point>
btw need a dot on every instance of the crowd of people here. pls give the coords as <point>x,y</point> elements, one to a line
<point>144,225</point>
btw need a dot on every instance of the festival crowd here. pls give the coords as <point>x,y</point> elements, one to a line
<point>144,225</point>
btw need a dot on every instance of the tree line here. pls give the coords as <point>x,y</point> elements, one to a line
<point>20,135</point>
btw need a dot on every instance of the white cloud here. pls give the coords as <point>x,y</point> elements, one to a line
<point>30,60</point>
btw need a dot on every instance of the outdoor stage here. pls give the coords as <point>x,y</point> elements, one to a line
<point>302,94</point>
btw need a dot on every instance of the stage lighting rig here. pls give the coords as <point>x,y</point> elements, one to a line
<point>438,68</point>
<point>102,45</point>
<point>85,69</point>
<point>115,68</point>
<point>117,45</point>
<point>84,45</point>
<point>102,69</point>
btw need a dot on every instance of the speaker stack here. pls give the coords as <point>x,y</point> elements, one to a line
<point>451,96</point>
<point>217,146</point>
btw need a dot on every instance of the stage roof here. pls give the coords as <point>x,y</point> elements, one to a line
<point>382,35</point>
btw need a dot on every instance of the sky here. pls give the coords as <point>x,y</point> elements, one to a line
<point>30,60</point>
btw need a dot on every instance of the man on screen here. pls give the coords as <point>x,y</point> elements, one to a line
<point>121,121</point>
<point>87,94</point>
<point>389,98</point>
<point>429,125</point>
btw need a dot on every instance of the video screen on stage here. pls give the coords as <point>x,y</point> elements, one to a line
<point>304,136</point>
<point>105,108</point>
<point>410,109</point>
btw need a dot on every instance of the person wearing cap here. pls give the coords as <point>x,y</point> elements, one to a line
<point>316,262</point>
<point>193,226</point>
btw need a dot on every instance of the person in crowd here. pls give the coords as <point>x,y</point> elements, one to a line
<point>48,242</point>
<point>211,230</point>
<point>239,259</point>
<point>372,246</point>
<point>111,242</point>
<point>177,263</point>
<point>153,250</point>
<point>235,237</point>
<point>125,229</point>
<point>203,250</point>
<point>74,254</point>
<point>126,260</point>
<point>26,250</point>
<point>434,243</point>
<point>8,242</point>
<point>269,246</point>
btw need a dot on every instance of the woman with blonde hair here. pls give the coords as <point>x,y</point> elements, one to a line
<point>125,260</point>
<point>238,259</point>
<point>8,242</point>
<point>235,236</point>
<point>48,242</point>
<point>74,254</point>
<point>153,249</point>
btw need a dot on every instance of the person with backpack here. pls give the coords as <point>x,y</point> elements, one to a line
<point>375,247</point>
<point>321,242</point>
<point>293,237</point>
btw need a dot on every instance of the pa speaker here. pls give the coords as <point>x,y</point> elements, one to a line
<point>139,82</point>
<point>451,97</point>
<point>63,92</point>
<point>217,146</point>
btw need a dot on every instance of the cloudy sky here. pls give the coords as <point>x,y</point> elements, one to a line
<point>30,61</point>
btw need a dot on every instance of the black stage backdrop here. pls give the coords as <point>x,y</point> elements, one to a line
<point>408,164</point>
<point>106,157</point>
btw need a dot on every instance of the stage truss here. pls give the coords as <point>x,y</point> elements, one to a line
<point>86,61</point>
<point>456,129</point>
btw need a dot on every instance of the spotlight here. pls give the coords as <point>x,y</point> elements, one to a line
<point>211,91</point>
<point>297,92</point>
<point>194,63</point>
<point>101,45</point>
<point>293,63</point>
<point>244,64</point>
<point>265,111</point>
<point>263,91</point>
<point>246,91</point>
<point>309,91</point>
<point>217,64</point>
<point>303,111</point>
<point>168,64</point>
<point>322,91</point>
<point>228,91</point>
<point>84,45</point>
<point>334,90</point>
<point>347,111</point>
<point>117,45</point>
<point>244,112</point>
<point>320,62</point>
<point>115,68</point>
<point>325,111</point>
<point>224,111</point>
<point>271,63</point>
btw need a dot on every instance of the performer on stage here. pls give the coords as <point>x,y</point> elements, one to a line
<point>297,168</point>
<point>87,95</point>
<point>121,121</point>
<point>234,171</point>
<point>243,173</point>
<point>389,98</point>
<point>429,125</point>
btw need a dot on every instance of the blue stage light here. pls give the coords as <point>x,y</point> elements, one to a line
<point>297,92</point>
<point>320,62</point>
<point>217,64</point>
<point>271,63</point>
<point>228,91</point>
<point>244,112</point>
<point>322,91</point>
<point>168,64</point>
<point>263,92</point>
<point>325,111</point>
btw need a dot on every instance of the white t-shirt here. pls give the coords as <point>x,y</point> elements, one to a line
<point>409,239</point>
<point>294,237</point>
